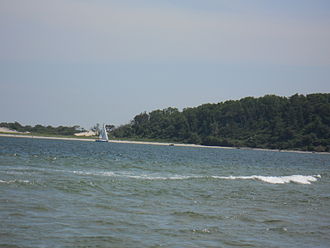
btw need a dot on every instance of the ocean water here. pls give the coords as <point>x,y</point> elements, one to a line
<point>57,193</point>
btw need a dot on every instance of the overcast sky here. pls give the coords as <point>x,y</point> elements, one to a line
<point>69,62</point>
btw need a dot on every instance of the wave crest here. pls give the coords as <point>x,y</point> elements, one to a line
<point>14,181</point>
<point>276,179</point>
<point>300,179</point>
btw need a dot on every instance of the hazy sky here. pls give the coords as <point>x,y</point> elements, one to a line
<point>68,62</point>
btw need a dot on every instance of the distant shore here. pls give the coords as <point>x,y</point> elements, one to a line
<point>29,136</point>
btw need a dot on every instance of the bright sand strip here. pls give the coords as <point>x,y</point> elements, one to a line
<point>111,141</point>
<point>153,143</point>
<point>7,130</point>
<point>42,137</point>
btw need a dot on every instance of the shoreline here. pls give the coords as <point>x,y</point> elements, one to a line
<point>156,143</point>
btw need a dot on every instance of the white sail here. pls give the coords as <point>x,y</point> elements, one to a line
<point>103,134</point>
<point>105,137</point>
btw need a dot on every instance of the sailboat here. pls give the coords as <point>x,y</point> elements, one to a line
<point>103,135</point>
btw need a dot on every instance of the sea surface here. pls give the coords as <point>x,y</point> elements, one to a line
<point>56,193</point>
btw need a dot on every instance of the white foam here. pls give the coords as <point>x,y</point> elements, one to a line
<point>148,177</point>
<point>14,181</point>
<point>276,179</point>
<point>94,173</point>
<point>133,176</point>
<point>300,179</point>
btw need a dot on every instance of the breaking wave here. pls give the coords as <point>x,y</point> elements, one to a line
<point>276,179</point>
<point>300,179</point>
<point>14,181</point>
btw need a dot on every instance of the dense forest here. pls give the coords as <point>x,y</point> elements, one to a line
<point>39,129</point>
<point>297,122</point>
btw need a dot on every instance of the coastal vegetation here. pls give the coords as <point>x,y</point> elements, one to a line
<point>298,122</point>
<point>42,130</point>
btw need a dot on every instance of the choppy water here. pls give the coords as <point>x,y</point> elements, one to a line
<point>86,194</point>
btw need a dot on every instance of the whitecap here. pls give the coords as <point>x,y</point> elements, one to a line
<point>149,177</point>
<point>14,181</point>
<point>287,179</point>
<point>301,179</point>
<point>94,173</point>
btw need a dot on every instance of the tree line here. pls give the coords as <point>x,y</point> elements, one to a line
<point>298,122</point>
<point>39,129</point>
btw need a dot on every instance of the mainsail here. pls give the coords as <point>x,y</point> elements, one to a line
<point>103,134</point>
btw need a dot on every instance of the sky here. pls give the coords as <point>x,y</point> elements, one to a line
<point>82,62</point>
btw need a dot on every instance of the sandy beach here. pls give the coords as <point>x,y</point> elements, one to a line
<point>7,130</point>
<point>111,141</point>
